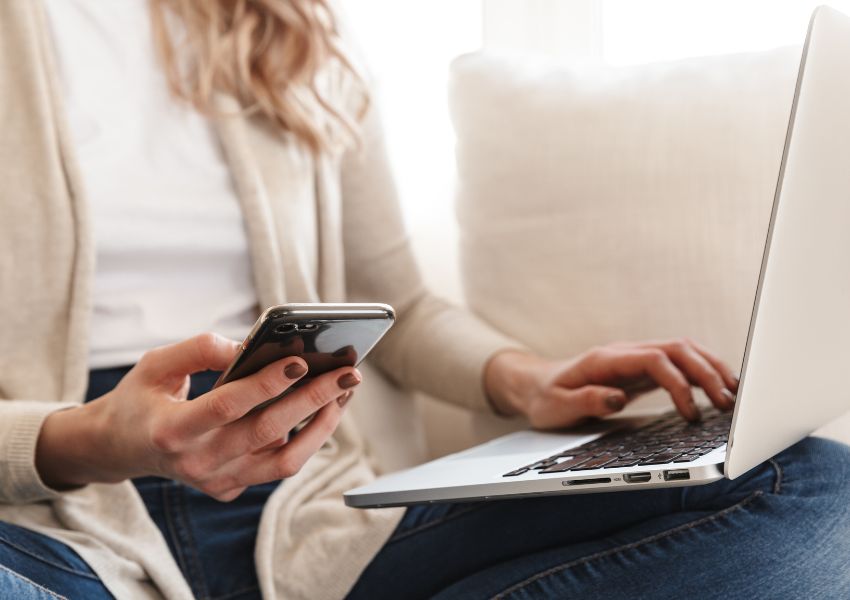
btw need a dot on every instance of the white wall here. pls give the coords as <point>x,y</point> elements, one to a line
<point>409,45</point>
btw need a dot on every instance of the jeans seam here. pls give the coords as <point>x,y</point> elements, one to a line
<point>187,556</point>
<point>433,523</point>
<point>780,476</point>
<point>31,582</point>
<point>47,561</point>
<point>193,546</point>
<point>631,546</point>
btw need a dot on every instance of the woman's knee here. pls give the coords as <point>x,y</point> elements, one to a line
<point>819,461</point>
<point>815,485</point>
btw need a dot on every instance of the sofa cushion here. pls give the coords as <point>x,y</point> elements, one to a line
<point>612,204</point>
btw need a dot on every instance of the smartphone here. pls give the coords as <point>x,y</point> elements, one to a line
<point>326,336</point>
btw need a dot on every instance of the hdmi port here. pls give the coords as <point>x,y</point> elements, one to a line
<point>637,477</point>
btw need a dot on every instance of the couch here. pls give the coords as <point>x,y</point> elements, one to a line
<point>600,204</point>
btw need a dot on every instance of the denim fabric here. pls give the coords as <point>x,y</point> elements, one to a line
<point>36,567</point>
<point>780,531</point>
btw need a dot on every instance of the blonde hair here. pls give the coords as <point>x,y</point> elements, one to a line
<point>274,56</point>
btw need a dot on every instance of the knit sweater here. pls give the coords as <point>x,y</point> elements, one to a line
<point>309,545</point>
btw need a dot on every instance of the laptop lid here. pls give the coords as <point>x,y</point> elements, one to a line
<point>794,375</point>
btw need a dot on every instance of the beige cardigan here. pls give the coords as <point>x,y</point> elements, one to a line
<point>338,213</point>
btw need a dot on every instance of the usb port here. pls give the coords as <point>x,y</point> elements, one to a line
<point>677,475</point>
<point>637,477</point>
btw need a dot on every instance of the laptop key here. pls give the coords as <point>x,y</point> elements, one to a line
<point>516,472</point>
<point>566,465</point>
<point>660,459</point>
<point>595,463</point>
<point>623,462</point>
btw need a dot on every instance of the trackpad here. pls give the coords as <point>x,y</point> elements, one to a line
<point>525,442</point>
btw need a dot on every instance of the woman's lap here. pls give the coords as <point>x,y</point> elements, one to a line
<point>34,566</point>
<point>782,530</point>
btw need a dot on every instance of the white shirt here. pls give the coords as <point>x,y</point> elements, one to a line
<point>171,251</point>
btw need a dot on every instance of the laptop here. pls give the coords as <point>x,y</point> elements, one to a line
<point>793,378</point>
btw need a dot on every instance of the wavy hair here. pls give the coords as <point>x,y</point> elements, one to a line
<point>279,58</point>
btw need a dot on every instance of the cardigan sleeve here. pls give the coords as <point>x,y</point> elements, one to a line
<point>20,424</point>
<point>434,347</point>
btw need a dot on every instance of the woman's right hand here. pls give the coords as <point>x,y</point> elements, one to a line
<point>145,426</point>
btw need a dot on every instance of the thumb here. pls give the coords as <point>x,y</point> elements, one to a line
<point>207,351</point>
<point>597,400</point>
<point>565,407</point>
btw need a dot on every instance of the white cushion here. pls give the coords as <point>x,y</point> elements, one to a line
<point>618,204</point>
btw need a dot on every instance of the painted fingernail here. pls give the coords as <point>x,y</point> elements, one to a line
<point>730,397</point>
<point>615,402</point>
<point>349,380</point>
<point>344,398</point>
<point>694,412</point>
<point>295,370</point>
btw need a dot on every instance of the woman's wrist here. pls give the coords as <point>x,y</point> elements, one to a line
<point>70,451</point>
<point>512,378</point>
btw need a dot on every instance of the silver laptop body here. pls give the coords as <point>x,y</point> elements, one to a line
<point>793,378</point>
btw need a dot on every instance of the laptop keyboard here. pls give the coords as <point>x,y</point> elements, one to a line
<point>669,439</point>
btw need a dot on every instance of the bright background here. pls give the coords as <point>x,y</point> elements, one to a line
<point>410,43</point>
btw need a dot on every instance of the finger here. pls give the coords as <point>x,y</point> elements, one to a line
<point>567,407</point>
<point>654,363</point>
<point>204,352</point>
<point>638,387</point>
<point>728,375</point>
<point>252,469</point>
<point>699,371</point>
<point>730,380</point>
<point>343,400</point>
<point>275,444</point>
<point>264,427</point>
<point>235,399</point>
<point>229,495</point>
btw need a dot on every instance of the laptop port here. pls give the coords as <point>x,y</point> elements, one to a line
<point>677,475</point>
<point>587,481</point>
<point>637,477</point>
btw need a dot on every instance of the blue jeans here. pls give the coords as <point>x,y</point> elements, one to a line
<point>780,531</point>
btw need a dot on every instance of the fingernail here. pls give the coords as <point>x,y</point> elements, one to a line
<point>730,397</point>
<point>294,370</point>
<point>615,402</point>
<point>349,380</point>
<point>737,380</point>
<point>695,414</point>
<point>344,398</point>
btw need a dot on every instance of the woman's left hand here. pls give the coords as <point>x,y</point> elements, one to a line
<point>603,380</point>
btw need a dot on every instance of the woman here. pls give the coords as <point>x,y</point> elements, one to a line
<point>132,222</point>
